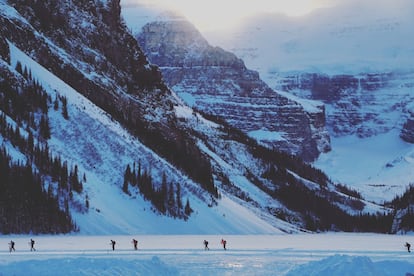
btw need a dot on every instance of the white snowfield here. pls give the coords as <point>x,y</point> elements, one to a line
<point>282,254</point>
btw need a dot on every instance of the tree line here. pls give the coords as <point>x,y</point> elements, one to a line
<point>165,196</point>
<point>25,206</point>
<point>318,210</point>
<point>404,208</point>
<point>140,79</point>
<point>37,190</point>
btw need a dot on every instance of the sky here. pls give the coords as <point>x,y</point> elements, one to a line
<point>225,14</point>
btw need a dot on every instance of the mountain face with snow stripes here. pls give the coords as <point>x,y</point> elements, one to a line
<point>133,152</point>
<point>217,82</point>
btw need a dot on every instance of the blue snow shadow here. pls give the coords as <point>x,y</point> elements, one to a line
<point>353,266</point>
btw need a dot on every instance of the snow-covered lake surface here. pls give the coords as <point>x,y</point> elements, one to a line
<point>301,254</point>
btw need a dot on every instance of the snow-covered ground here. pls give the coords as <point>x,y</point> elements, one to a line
<point>379,167</point>
<point>305,254</point>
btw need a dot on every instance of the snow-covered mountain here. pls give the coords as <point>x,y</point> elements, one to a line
<point>128,152</point>
<point>356,58</point>
<point>217,82</point>
<point>109,116</point>
<point>93,138</point>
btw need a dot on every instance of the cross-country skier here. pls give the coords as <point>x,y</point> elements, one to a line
<point>11,246</point>
<point>408,247</point>
<point>135,242</point>
<point>32,242</point>
<point>113,245</point>
<point>224,242</point>
<point>206,245</point>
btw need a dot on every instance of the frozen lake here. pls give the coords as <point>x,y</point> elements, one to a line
<point>304,254</point>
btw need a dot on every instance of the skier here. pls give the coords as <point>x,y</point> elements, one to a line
<point>135,242</point>
<point>32,242</point>
<point>224,242</point>
<point>11,246</point>
<point>113,245</point>
<point>408,247</point>
<point>206,245</point>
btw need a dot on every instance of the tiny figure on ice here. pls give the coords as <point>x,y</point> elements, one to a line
<point>113,244</point>
<point>32,242</point>
<point>224,242</point>
<point>206,245</point>
<point>135,242</point>
<point>11,246</point>
<point>408,247</point>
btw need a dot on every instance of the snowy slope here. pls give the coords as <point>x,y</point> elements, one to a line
<point>102,149</point>
<point>380,167</point>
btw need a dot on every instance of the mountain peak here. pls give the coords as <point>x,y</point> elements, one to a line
<point>217,82</point>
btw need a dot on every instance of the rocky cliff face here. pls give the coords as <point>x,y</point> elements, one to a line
<point>85,46</point>
<point>363,104</point>
<point>355,57</point>
<point>217,82</point>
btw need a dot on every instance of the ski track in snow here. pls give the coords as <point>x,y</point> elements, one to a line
<point>304,254</point>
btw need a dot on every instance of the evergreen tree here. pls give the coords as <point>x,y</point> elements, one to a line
<point>178,197</point>
<point>87,202</point>
<point>75,184</point>
<point>63,176</point>
<point>44,127</point>
<point>127,179</point>
<point>161,195</point>
<point>19,67</point>
<point>187,208</point>
<point>56,103</point>
<point>65,108</point>
<point>171,200</point>
<point>30,142</point>
<point>125,187</point>
<point>138,174</point>
<point>25,73</point>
